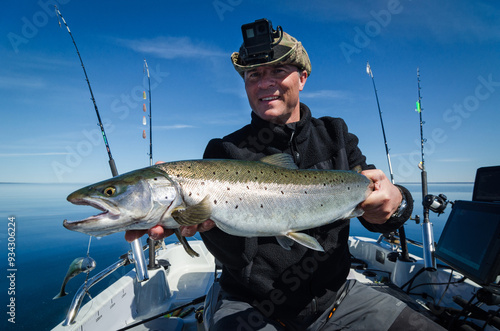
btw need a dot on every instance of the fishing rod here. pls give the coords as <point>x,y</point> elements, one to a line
<point>427,234</point>
<point>402,234</point>
<point>139,259</point>
<point>370,73</point>
<point>112,164</point>
<point>150,118</point>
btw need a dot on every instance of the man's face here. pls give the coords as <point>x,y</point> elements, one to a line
<point>273,92</point>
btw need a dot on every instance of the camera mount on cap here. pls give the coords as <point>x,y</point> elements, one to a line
<point>258,41</point>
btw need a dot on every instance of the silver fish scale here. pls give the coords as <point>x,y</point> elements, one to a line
<point>256,199</point>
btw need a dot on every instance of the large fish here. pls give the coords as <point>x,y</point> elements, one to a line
<point>270,197</point>
<point>79,265</point>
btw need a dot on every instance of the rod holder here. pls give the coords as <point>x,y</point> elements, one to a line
<point>141,270</point>
<point>429,249</point>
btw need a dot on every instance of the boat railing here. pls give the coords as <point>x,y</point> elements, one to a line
<point>74,308</point>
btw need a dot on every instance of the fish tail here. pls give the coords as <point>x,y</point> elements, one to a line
<point>60,295</point>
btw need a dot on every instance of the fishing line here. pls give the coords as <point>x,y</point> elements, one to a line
<point>88,248</point>
<point>88,255</point>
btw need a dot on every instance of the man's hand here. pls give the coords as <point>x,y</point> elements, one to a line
<point>385,199</point>
<point>158,232</point>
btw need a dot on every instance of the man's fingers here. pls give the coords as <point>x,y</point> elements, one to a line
<point>132,235</point>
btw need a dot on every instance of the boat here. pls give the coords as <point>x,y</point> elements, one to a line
<point>460,291</point>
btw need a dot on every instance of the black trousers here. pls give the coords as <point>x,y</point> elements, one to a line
<point>360,308</point>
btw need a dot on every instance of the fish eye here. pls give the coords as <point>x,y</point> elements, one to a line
<point>109,191</point>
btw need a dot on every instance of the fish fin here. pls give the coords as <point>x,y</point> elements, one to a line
<point>193,215</point>
<point>306,240</point>
<point>285,242</point>
<point>191,252</point>
<point>357,212</point>
<point>357,169</point>
<point>60,295</point>
<point>281,160</point>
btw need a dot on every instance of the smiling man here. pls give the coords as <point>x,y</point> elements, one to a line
<point>264,286</point>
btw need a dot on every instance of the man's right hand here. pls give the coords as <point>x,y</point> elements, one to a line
<point>158,232</point>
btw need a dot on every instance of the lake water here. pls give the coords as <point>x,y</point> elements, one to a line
<point>44,248</point>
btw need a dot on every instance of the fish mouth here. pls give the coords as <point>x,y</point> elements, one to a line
<point>108,212</point>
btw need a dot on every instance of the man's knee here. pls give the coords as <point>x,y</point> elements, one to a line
<point>410,320</point>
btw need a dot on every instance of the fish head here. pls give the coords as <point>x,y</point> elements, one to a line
<point>136,200</point>
<point>88,264</point>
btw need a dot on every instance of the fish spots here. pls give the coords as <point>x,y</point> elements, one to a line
<point>215,202</point>
<point>228,188</point>
<point>282,192</point>
<point>190,194</point>
<point>236,207</point>
<point>261,206</point>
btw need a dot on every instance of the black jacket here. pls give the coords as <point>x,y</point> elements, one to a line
<point>300,281</point>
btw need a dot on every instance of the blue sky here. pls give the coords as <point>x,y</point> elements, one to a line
<point>49,129</point>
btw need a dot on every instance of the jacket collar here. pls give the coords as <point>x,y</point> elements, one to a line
<point>281,134</point>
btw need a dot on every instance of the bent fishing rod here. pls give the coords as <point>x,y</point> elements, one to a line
<point>112,164</point>
<point>139,259</point>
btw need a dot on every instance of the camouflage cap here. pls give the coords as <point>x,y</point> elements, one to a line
<point>288,51</point>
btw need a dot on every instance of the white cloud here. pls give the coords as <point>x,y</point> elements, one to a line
<point>174,127</point>
<point>326,94</point>
<point>173,47</point>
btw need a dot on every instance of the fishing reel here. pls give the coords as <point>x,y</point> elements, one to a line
<point>435,203</point>
<point>258,42</point>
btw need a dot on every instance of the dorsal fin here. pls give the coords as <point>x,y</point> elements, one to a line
<point>281,160</point>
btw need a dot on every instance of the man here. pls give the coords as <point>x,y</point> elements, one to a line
<point>263,286</point>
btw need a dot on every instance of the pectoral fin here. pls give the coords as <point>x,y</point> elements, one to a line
<point>191,252</point>
<point>306,240</point>
<point>193,215</point>
<point>357,212</point>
